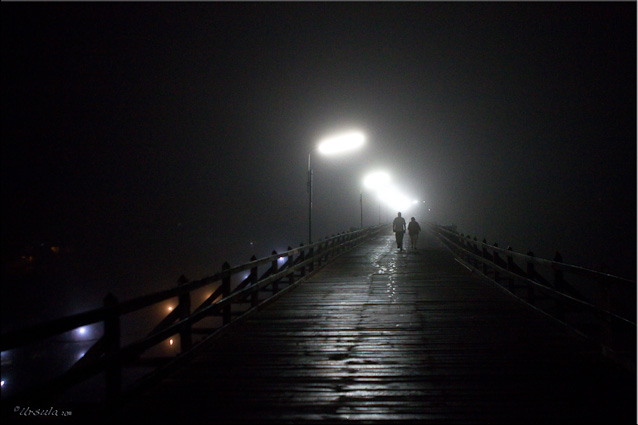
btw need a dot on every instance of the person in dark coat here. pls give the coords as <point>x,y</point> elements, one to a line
<point>413,231</point>
<point>398,227</point>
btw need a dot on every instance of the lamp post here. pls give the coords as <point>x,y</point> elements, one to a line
<point>329,146</point>
<point>309,201</point>
<point>361,204</point>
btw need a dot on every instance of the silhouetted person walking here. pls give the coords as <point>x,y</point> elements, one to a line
<point>398,227</point>
<point>413,231</point>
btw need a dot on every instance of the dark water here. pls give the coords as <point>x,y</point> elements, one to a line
<point>48,282</point>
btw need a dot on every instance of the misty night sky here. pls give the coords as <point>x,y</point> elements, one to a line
<point>150,140</point>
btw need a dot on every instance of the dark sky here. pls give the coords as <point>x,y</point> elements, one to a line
<point>154,139</point>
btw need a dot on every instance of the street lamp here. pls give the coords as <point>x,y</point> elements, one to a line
<point>376,181</point>
<point>329,146</point>
<point>394,198</point>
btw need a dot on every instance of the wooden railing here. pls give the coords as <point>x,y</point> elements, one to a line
<point>597,306</point>
<point>227,302</point>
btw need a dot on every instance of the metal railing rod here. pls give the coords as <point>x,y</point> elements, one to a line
<point>561,295</point>
<point>541,261</point>
<point>113,357</point>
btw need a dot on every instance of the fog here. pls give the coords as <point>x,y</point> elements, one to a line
<point>148,141</point>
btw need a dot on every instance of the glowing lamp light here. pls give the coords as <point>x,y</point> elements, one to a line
<point>171,341</point>
<point>395,199</point>
<point>170,308</point>
<point>376,181</point>
<point>341,143</point>
<point>83,332</point>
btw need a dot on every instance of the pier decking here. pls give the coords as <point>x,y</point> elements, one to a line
<point>396,337</point>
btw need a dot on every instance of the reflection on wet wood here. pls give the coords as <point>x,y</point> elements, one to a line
<point>390,336</point>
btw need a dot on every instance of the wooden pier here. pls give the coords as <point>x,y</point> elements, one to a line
<point>382,336</point>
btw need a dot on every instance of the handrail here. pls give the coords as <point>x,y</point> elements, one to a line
<point>497,269</point>
<point>54,327</point>
<point>107,355</point>
<point>555,292</point>
<point>540,261</point>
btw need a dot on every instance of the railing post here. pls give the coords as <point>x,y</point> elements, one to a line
<point>319,253</point>
<point>226,312</point>
<point>607,328</point>
<point>510,268</point>
<point>327,246</point>
<point>274,268</point>
<point>254,297</point>
<point>326,251</point>
<point>558,273</point>
<point>495,259</point>
<point>531,274</point>
<point>311,255</point>
<point>302,257</point>
<point>112,338</point>
<point>185,335</point>
<point>559,284</point>
<point>468,249</point>
<point>291,275</point>
<point>485,257</point>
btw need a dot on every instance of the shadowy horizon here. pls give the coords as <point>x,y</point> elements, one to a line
<point>151,140</point>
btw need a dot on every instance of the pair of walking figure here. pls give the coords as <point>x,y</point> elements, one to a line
<point>399,228</point>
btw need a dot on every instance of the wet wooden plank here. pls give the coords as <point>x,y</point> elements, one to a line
<point>385,336</point>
